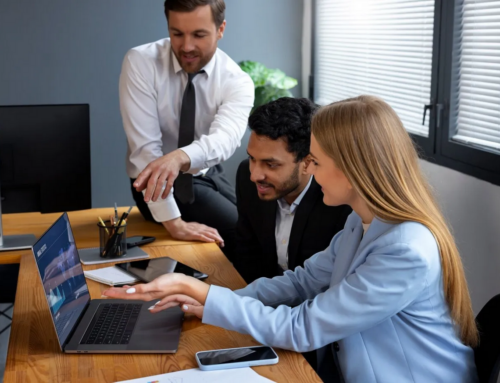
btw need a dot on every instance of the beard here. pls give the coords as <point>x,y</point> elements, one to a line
<point>290,185</point>
<point>196,66</point>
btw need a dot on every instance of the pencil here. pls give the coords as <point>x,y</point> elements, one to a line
<point>104,225</point>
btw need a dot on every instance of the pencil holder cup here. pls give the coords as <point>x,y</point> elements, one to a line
<point>112,240</point>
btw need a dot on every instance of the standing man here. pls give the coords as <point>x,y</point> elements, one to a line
<point>282,218</point>
<point>185,105</point>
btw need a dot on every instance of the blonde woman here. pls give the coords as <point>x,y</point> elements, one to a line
<point>389,292</point>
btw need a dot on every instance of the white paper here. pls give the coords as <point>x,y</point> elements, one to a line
<point>195,375</point>
<point>110,275</point>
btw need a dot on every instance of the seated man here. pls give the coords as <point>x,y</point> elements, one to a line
<point>282,220</point>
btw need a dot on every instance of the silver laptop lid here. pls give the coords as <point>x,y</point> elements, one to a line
<point>62,277</point>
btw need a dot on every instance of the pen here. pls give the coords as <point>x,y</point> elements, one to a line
<point>115,223</point>
<point>115,238</point>
<point>116,212</point>
<point>124,216</point>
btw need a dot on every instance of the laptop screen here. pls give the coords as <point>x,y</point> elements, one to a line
<point>62,276</point>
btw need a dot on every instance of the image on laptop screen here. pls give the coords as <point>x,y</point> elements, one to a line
<point>62,276</point>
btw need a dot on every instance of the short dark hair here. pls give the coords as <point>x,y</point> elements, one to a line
<point>286,118</point>
<point>218,8</point>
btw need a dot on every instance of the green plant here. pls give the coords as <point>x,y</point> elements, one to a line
<point>270,84</point>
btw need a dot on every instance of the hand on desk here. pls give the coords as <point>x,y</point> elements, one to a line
<point>171,289</point>
<point>192,231</point>
<point>188,305</point>
<point>162,169</point>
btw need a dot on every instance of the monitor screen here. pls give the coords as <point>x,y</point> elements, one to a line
<point>62,276</point>
<point>45,158</point>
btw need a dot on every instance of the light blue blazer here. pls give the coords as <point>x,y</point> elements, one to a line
<point>380,296</point>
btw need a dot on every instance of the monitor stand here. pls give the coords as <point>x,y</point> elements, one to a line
<point>14,242</point>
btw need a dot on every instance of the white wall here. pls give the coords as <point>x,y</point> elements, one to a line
<point>269,32</point>
<point>472,208</point>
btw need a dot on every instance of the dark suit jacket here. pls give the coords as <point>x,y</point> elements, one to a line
<point>314,226</point>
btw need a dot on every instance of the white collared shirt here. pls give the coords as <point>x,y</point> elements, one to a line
<point>152,84</point>
<point>284,221</point>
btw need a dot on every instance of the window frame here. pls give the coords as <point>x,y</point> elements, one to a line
<point>485,160</point>
<point>437,148</point>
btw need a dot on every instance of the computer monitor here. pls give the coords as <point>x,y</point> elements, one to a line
<point>44,161</point>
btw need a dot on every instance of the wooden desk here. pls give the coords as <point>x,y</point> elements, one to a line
<point>34,355</point>
<point>84,224</point>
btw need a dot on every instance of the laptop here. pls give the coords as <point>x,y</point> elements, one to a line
<point>83,325</point>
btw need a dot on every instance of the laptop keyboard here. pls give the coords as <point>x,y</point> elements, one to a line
<point>113,325</point>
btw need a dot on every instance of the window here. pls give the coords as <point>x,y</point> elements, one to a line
<point>475,100</point>
<point>439,56</point>
<point>382,48</point>
<point>470,77</point>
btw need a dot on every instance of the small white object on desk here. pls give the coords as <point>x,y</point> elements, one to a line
<point>112,276</point>
<point>195,375</point>
<point>92,255</point>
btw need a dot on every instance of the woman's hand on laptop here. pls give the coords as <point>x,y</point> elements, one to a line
<point>168,289</point>
<point>188,305</point>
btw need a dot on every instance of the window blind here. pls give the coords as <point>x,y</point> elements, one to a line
<point>382,48</point>
<point>475,101</point>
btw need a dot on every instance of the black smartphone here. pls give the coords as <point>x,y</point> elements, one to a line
<point>236,358</point>
<point>138,240</point>
<point>149,269</point>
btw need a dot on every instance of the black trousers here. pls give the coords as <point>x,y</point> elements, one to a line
<point>328,367</point>
<point>214,205</point>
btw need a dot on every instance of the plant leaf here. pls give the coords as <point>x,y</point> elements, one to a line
<point>270,84</point>
<point>275,76</point>
<point>287,83</point>
<point>278,79</point>
<point>268,93</point>
<point>257,72</point>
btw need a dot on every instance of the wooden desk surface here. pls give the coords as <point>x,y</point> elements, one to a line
<point>34,355</point>
<point>84,224</point>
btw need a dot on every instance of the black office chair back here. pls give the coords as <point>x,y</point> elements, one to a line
<point>487,354</point>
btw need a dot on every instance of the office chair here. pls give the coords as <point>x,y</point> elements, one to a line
<point>487,354</point>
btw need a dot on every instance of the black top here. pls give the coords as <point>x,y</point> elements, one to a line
<point>314,226</point>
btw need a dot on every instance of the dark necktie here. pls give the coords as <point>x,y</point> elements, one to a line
<point>183,185</point>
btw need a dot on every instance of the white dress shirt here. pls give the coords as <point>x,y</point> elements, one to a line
<point>152,84</point>
<point>284,221</point>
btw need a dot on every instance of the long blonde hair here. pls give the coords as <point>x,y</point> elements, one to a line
<point>368,143</point>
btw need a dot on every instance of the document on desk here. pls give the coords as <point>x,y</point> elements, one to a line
<point>195,375</point>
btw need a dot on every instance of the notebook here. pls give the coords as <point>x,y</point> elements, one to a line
<point>112,276</point>
<point>91,255</point>
<point>195,375</point>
